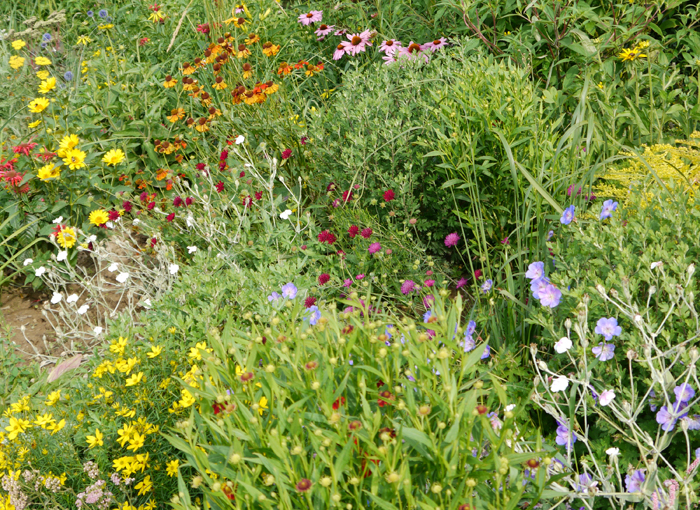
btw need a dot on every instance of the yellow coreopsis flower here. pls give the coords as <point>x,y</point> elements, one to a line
<point>34,124</point>
<point>75,159</point>
<point>119,346</point>
<point>47,85</point>
<point>38,105</point>
<point>187,399</point>
<point>44,420</point>
<point>96,440</point>
<point>84,40</point>
<point>18,44</point>
<point>66,238</point>
<point>53,397</point>
<point>631,54</point>
<point>16,61</point>
<point>47,172</point>
<point>17,426</point>
<point>56,427</point>
<point>172,467</point>
<point>98,217</point>
<point>156,16</point>
<point>262,405</point>
<point>155,351</point>
<point>106,27</point>
<point>144,486</point>
<point>136,441</point>
<point>134,379</point>
<point>113,157</point>
<point>42,61</point>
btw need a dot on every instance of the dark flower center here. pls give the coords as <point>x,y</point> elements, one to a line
<point>437,41</point>
<point>241,47</point>
<point>413,48</point>
<point>389,43</point>
<point>247,67</point>
<point>309,15</point>
<point>323,27</point>
<point>340,47</point>
<point>356,40</point>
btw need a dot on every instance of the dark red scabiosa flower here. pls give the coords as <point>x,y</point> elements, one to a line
<point>151,206</point>
<point>247,201</point>
<point>385,398</point>
<point>366,233</point>
<point>223,155</point>
<point>380,383</point>
<point>326,237</point>
<point>126,205</point>
<point>477,274</point>
<point>304,485</point>
<point>347,329</point>
<point>330,187</point>
<point>465,506</point>
<point>229,492</point>
<point>143,196</point>
<point>347,196</point>
<point>170,217</point>
<point>222,166</point>
<point>389,431</point>
<point>242,174</point>
<point>353,231</point>
<point>309,301</point>
<point>177,202</point>
<point>286,153</point>
<point>311,365</point>
<point>324,278</point>
<point>482,409</point>
<point>355,424</point>
<point>341,254</point>
<point>154,241</point>
<point>200,166</point>
<point>303,247</point>
<point>389,195</point>
<point>113,215</point>
<point>217,408</point>
<point>246,376</point>
<point>340,401</point>
<point>303,140</point>
<point>258,195</point>
<point>189,201</point>
<point>220,186</point>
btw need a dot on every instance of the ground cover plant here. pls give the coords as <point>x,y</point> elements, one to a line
<point>350,255</point>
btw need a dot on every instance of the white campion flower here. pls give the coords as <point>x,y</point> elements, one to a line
<point>136,221</point>
<point>73,298</point>
<point>113,267</point>
<point>147,303</point>
<point>98,330</point>
<point>191,249</point>
<point>56,298</point>
<point>27,262</point>
<point>189,220</point>
<point>40,271</point>
<point>559,384</point>
<point>563,345</point>
<point>240,139</point>
<point>83,309</point>
<point>122,277</point>
<point>606,397</point>
<point>613,452</point>
<point>510,407</point>
<point>62,255</point>
<point>654,265</point>
<point>58,220</point>
<point>173,268</point>
<point>91,239</point>
<point>286,214</point>
<point>110,224</point>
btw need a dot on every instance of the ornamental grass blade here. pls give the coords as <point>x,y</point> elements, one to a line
<point>64,367</point>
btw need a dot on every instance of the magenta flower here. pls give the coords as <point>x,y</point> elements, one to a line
<point>435,45</point>
<point>390,47</point>
<point>374,248</point>
<point>311,17</point>
<point>340,50</point>
<point>408,286</point>
<point>451,239</point>
<point>429,283</point>
<point>413,51</point>
<point>324,30</point>
<point>347,283</point>
<point>461,283</point>
<point>286,153</point>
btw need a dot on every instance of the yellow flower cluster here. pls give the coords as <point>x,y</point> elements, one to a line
<point>69,152</point>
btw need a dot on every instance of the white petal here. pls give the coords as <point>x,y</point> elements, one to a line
<point>27,262</point>
<point>286,214</point>
<point>606,397</point>
<point>83,309</point>
<point>72,298</point>
<point>40,271</point>
<point>147,303</point>
<point>173,268</point>
<point>613,452</point>
<point>654,265</point>
<point>560,384</point>
<point>240,139</point>
<point>98,330</point>
<point>563,345</point>
<point>58,220</point>
<point>122,277</point>
<point>62,255</point>
<point>56,298</point>
<point>191,249</point>
<point>113,267</point>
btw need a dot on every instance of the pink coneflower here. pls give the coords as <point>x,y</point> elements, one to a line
<point>357,43</point>
<point>451,239</point>
<point>436,44</point>
<point>389,59</point>
<point>311,17</point>
<point>340,50</point>
<point>390,47</point>
<point>341,32</point>
<point>324,30</point>
<point>374,248</point>
<point>407,286</point>
<point>413,51</point>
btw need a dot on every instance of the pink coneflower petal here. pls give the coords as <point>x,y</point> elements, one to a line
<point>436,44</point>
<point>324,30</point>
<point>390,47</point>
<point>340,32</point>
<point>356,44</point>
<point>311,17</point>
<point>340,50</point>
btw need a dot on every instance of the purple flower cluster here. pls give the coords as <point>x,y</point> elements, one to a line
<point>669,415</point>
<point>542,289</point>
<point>565,436</point>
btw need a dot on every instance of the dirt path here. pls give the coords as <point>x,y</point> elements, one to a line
<point>22,307</point>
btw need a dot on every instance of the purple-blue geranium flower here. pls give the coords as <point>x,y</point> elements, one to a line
<point>487,352</point>
<point>634,482</point>
<point>684,392</point>
<point>604,352</point>
<point>564,436</point>
<point>608,207</point>
<point>568,215</point>
<point>273,297</point>
<point>550,296</point>
<point>538,286</point>
<point>667,418</point>
<point>584,482</point>
<point>692,421</point>
<point>426,316</point>
<point>471,327</point>
<point>487,286</point>
<point>289,290</point>
<point>314,315</point>
<point>535,271</point>
<point>608,328</point>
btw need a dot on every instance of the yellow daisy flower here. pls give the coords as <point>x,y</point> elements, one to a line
<point>155,351</point>
<point>66,238</point>
<point>134,379</point>
<point>113,157</point>
<point>34,124</point>
<point>631,54</point>
<point>47,86</point>
<point>84,40</point>
<point>38,105</point>
<point>43,74</point>
<point>172,467</point>
<point>75,159</point>
<point>98,217</point>
<point>47,172</point>
<point>96,440</point>
<point>17,426</point>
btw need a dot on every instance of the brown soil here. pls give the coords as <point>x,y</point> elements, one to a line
<point>22,307</point>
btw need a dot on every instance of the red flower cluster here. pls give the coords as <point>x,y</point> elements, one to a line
<point>309,302</point>
<point>220,186</point>
<point>340,401</point>
<point>353,231</point>
<point>366,232</point>
<point>324,278</point>
<point>286,153</point>
<point>388,195</point>
<point>326,237</point>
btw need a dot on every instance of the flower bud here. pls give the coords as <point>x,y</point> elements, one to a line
<point>325,481</point>
<point>436,488</point>
<point>235,458</point>
<point>393,477</point>
<point>471,483</point>
<point>335,498</point>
